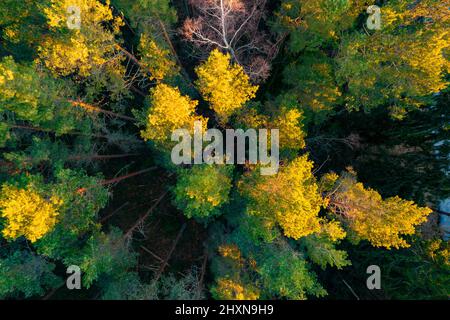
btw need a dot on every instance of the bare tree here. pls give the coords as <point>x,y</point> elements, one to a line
<point>234,27</point>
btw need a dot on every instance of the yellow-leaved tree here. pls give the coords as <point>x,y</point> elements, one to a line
<point>227,289</point>
<point>79,50</point>
<point>289,124</point>
<point>367,216</point>
<point>404,63</point>
<point>236,283</point>
<point>168,111</point>
<point>202,190</point>
<point>27,213</point>
<point>289,199</point>
<point>313,21</point>
<point>224,85</point>
<point>156,59</point>
<point>287,120</point>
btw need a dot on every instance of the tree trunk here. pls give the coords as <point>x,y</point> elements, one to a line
<point>77,158</point>
<point>101,157</point>
<point>145,216</point>
<point>114,212</point>
<point>166,260</point>
<point>118,179</point>
<point>72,132</point>
<point>89,107</point>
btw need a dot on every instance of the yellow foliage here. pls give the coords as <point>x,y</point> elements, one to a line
<point>6,75</point>
<point>438,251</point>
<point>435,13</point>
<point>249,118</point>
<point>437,10</point>
<point>27,213</point>
<point>323,17</point>
<point>224,85</point>
<point>156,59</point>
<point>288,121</point>
<point>92,12</point>
<point>12,34</point>
<point>369,217</point>
<point>291,133</point>
<point>65,58</point>
<point>169,111</point>
<point>332,230</point>
<point>230,251</point>
<point>328,181</point>
<point>79,50</point>
<point>402,62</point>
<point>227,289</point>
<point>290,198</point>
<point>429,60</point>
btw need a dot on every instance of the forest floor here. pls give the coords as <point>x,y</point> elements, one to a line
<point>153,239</point>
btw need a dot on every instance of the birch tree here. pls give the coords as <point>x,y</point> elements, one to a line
<point>232,26</point>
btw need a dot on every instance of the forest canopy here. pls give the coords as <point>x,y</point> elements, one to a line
<point>92,91</point>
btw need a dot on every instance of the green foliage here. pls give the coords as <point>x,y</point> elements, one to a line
<point>201,191</point>
<point>184,288</point>
<point>146,14</point>
<point>315,24</point>
<point>335,93</point>
<point>418,273</point>
<point>21,25</point>
<point>284,273</point>
<point>34,96</point>
<point>322,251</point>
<point>4,134</point>
<point>127,287</point>
<point>397,67</point>
<point>24,274</point>
<point>156,59</point>
<point>313,84</point>
<point>267,271</point>
<point>83,196</point>
<point>104,255</point>
<point>39,151</point>
<point>168,287</point>
<point>154,21</point>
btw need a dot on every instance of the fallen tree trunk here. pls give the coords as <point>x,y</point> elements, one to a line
<point>89,107</point>
<point>166,260</point>
<point>144,217</point>
<point>118,179</point>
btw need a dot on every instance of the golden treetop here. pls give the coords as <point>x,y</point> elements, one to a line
<point>169,110</point>
<point>224,84</point>
<point>290,198</point>
<point>156,59</point>
<point>232,290</point>
<point>27,213</point>
<point>79,50</point>
<point>369,217</point>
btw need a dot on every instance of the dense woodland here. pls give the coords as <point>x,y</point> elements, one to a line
<point>85,135</point>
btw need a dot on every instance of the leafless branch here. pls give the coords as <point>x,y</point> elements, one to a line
<point>234,27</point>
